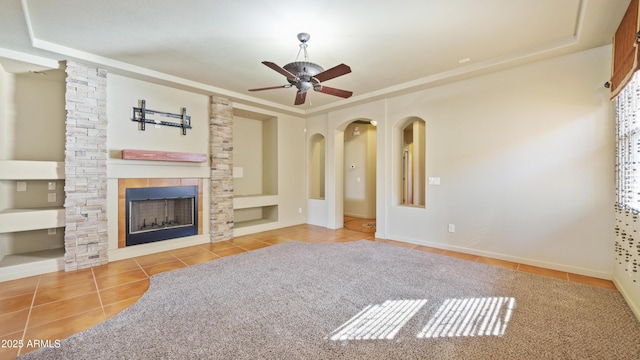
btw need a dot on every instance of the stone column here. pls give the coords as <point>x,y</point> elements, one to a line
<point>85,238</point>
<point>221,142</point>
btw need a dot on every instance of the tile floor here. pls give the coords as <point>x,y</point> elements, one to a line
<point>56,305</point>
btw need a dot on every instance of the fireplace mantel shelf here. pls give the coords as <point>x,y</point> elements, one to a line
<point>130,154</point>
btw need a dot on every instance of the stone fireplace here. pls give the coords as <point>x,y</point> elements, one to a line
<point>88,234</point>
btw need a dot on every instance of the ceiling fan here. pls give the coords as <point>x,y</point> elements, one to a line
<point>305,75</point>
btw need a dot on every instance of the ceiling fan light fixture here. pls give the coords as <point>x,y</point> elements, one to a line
<point>304,70</point>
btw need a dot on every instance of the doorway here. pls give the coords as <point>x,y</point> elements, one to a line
<point>359,183</point>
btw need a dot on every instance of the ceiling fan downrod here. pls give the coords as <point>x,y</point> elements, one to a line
<point>303,38</point>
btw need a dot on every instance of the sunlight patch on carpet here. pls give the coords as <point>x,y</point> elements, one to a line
<point>378,322</point>
<point>470,317</point>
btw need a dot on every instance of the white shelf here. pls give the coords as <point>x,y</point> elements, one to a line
<point>31,170</point>
<point>252,201</point>
<point>12,220</point>
<point>256,215</point>
<point>242,224</point>
<point>33,263</point>
<point>253,226</point>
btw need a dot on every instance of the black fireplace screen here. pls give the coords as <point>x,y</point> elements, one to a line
<point>161,213</point>
<point>150,215</point>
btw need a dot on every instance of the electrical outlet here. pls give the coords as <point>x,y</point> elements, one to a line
<point>51,197</point>
<point>51,231</point>
<point>299,210</point>
<point>452,228</point>
<point>21,186</point>
<point>51,185</point>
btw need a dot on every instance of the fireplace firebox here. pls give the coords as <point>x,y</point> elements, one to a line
<point>160,213</point>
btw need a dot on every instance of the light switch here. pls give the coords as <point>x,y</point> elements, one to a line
<point>358,179</point>
<point>238,172</point>
<point>21,186</point>
<point>434,181</point>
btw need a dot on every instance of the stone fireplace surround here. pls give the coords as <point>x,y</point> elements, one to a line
<point>86,152</point>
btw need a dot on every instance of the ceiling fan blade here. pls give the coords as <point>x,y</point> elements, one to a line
<point>300,97</point>
<point>333,91</point>
<point>334,72</point>
<point>279,69</point>
<point>272,87</point>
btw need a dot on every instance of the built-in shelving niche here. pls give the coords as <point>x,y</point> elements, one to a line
<point>32,219</point>
<point>255,169</point>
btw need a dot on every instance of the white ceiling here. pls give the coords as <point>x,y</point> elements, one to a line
<point>216,46</point>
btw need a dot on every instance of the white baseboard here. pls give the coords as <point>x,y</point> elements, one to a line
<point>506,257</point>
<point>634,304</point>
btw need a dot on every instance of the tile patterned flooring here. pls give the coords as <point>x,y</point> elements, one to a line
<point>56,305</point>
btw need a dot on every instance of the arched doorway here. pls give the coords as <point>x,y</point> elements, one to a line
<point>411,157</point>
<point>359,180</point>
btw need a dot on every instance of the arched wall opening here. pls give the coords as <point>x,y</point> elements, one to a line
<point>409,157</point>
<point>317,167</point>
<point>359,180</point>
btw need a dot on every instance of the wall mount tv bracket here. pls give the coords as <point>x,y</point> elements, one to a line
<point>140,115</point>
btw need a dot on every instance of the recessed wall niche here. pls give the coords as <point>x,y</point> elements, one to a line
<point>255,168</point>
<point>32,217</point>
<point>317,155</point>
<point>412,162</point>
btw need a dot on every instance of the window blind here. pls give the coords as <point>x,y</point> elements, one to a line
<point>628,145</point>
<point>625,50</point>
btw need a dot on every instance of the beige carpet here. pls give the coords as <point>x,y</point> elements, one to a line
<point>359,300</point>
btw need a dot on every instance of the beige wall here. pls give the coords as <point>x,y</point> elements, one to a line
<point>32,116</point>
<point>291,170</point>
<point>255,150</point>
<point>525,158</point>
<point>270,154</point>
<point>247,154</point>
<point>123,94</point>
<point>39,108</point>
<point>7,90</point>
<point>7,188</point>
<point>371,172</point>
